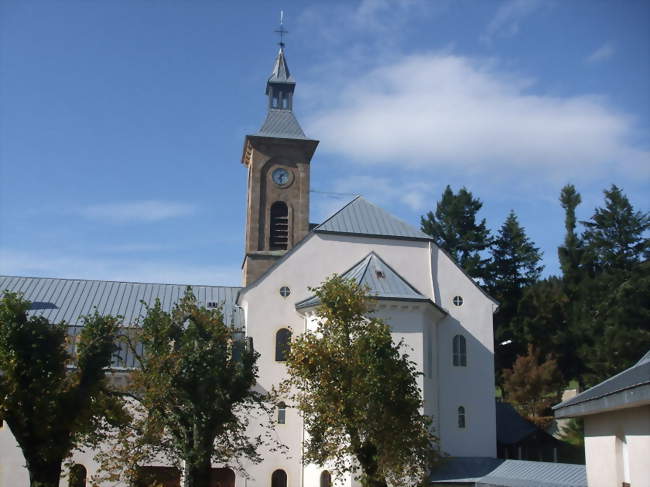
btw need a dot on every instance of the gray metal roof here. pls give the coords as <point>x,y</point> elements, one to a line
<point>361,217</point>
<point>382,281</point>
<point>630,387</point>
<point>522,473</point>
<point>282,124</point>
<point>511,426</point>
<point>492,472</point>
<point>68,299</point>
<point>280,73</point>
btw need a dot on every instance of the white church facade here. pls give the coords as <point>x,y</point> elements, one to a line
<point>442,315</point>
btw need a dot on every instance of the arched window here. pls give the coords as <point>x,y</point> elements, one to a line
<point>279,237</point>
<point>461,417</point>
<point>77,476</point>
<point>279,479</point>
<point>282,413</point>
<point>460,351</point>
<point>325,479</point>
<point>282,345</point>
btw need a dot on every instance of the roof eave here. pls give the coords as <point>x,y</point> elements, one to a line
<point>634,396</point>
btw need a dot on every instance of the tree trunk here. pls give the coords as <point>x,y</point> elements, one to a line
<point>367,456</point>
<point>44,473</point>
<point>197,474</point>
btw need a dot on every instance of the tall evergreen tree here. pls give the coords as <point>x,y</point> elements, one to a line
<point>615,235</point>
<point>455,229</point>
<point>515,265</point>
<point>570,254</point>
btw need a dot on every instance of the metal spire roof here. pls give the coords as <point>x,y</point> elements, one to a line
<point>381,280</point>
<point>281,73</point>
<point>282,124</point>
<point>364,218</point>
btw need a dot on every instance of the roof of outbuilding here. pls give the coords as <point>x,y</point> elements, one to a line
<point>382,281</point>
<point>360,217</point>
<point>494,472</point>
<point>281,124</point>
<point>68,299</point>
<point>622,390</point>
<point>511,427</point>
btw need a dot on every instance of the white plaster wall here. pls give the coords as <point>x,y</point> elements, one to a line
<point>433,274</point>
<point>604,433</point>
<point>472,386</point>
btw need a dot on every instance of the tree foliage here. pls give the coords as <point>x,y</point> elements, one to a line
<point>615,235</point>
<point>358,393</point>
<point>515,265</point>
<point>455,229</point>
<point>52,401</point>
<point>192,394</point>
<point>533,386</point>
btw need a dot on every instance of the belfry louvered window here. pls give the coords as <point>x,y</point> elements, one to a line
<point>279,237</point>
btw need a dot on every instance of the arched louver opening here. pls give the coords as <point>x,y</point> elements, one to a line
<point>279,238</point>
<point>279,479</point>
<point>282,345</point>
<point>461,417</point>
<point>325,479</point>
<point>460,351</point>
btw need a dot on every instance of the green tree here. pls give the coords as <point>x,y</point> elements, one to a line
<point>615,235</point>
<point>614,321</point>
<point>54,402</point>
<point>192,395</point>
<point>358,393</point>
<point>532,386</point>
<point>515,266</point>
<point>571,253</point>
<point>455,229</point>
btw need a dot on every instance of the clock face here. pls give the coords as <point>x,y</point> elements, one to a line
<point>281,176</point>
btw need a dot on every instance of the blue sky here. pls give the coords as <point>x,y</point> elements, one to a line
<point>122,123</point>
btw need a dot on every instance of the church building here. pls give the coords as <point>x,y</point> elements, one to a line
<point>443,316</point>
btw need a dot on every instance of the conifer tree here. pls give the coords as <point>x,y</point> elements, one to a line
<point>570,254</point>
<point>515,265</point>
<point>455,229</point>
<point>615,235</point>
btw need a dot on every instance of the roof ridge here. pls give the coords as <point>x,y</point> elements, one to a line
<point>117,282</point>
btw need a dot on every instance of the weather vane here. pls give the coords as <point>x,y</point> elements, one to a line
<point>282,31</point>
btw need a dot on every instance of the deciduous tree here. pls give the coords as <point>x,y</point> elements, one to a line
<point>358,393</point>
<point>193,395</point>
<point>51,400</point>
<point>532,386</point>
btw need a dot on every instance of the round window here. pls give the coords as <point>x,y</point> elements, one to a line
<point>458,300</point>
<point>285,291</point>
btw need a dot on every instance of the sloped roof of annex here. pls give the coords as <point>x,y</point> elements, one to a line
<point>382,282</point>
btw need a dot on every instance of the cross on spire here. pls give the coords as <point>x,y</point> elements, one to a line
<point>281,30</point>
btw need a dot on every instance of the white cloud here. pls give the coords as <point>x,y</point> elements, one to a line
<point>508,17</point>
<point>460,114</point>
<point>137,211</point>
<point>51,264</point>
<point>603,53</point>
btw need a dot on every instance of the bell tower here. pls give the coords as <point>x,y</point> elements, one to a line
<point>278,159</point>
